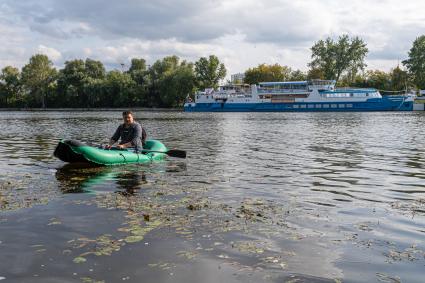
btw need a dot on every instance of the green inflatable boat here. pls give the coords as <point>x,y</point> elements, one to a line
<point>74,151</point>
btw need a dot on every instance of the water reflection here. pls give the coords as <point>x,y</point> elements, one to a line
<point>130,182</point>
<point>85,179</point>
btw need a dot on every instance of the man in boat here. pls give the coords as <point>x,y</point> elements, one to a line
<point>131,133</point>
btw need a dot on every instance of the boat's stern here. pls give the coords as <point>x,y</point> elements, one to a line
<point>65,151</point>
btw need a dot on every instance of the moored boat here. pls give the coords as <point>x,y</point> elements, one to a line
<point>313,95</point>
<point>74,151</point>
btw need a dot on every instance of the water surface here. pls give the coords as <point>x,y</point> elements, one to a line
<point>262,197</point>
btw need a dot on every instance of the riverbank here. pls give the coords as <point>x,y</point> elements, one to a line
<point>94,109</point>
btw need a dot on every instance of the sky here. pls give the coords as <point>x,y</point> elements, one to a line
<point>242,33</point>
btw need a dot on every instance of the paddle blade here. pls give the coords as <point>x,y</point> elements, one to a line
<point>176,153</point>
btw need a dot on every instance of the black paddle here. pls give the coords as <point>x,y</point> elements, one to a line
<point>172,152</point>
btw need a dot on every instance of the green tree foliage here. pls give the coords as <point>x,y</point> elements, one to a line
<point>399,79</point>
<point>374,79</point>
<point>334,58</point>
<point>393,81</point>
<point>94,69</point>
<point>71,81</point>
<point>37,77</point>
<point>119,90</point>
<point>138,71</point>
<point>172,81</point>
<point>416,62</point>
<point>209,72</point>
<point>177,85</point>
<point>76,80</point>
<point>140,75</point>
<point>315,74</point>
<point>297,75</point>
<point>10,86</point>
<point>137,64</point>
<point>267,73</point>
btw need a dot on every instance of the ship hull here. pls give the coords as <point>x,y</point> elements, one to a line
<point>386,103</point>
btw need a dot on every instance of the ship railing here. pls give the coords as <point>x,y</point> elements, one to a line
<point>280,90</point>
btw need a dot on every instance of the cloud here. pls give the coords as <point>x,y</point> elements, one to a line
<point>50,52</point>
<point>186,20</point>
<point>243,33</point>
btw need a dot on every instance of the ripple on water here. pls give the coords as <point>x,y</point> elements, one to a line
<point>340,188</point>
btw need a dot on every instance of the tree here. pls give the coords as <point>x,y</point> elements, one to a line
<point>140,75</point>
<point>177,85</point>
<point>71,83</point>
<point>378,79</point>
<point>335,58</point>
<point>399,79</point>
<point>138,71</point>
<point>267,73</point>
<point>10,84</point>
<point>157,73</point>
<point>137,64</point>
<point>172,80</point>
<point>77,78</point>
<point>209,72</point>
<point>37,75</point>
<point>315,74</point>
<point>297,75</point>
<point>119,90</point>
<point>94,69</point>
<point>416,62</point>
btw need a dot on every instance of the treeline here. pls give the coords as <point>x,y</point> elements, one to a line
<point>87,84</point>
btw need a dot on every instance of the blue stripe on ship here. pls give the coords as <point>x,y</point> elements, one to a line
<point>393,103</point>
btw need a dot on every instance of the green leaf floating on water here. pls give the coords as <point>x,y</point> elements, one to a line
<point>138,232</point>
<point>133,239</point>
<point>79,259</point>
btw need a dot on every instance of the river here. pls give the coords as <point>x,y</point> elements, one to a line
<point>261,197</point>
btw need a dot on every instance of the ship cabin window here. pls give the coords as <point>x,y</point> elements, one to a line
<point>197,97</point>
<point>296,106</point>
<point>367,94</point>
<point>349,105</point>
<point>341,105</point>
<point>334,105</point>
<point>311,106</point>
<point>279,87</point>
<point>325,105</point>
<point>302,106</point>
<point>318,105</point>
<point>207,96</point>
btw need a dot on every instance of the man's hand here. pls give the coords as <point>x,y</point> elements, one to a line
<point>108,146</point>
<point>120,146</point>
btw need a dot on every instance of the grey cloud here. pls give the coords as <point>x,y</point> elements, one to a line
<point>185,20</point>
<point>72,25</point>
<point>50,30</point>
<point>153,19</point>
<point>399,43</point>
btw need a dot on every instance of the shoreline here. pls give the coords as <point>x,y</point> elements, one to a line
<point>92,109</point>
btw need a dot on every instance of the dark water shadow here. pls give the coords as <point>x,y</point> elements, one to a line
<point>83,178</point>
